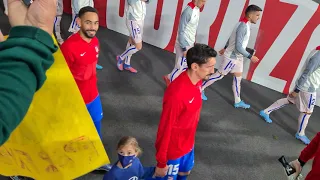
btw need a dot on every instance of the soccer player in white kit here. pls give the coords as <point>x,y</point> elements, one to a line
<point>135,14</point>
<point>188,26</point>
<point>233,54</point>
<point>57,21</point>
<point>303,96</point>
<point>76,6</point>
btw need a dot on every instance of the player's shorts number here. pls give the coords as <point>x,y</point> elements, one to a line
<point>136,30</point>
<point>313,102</point>
<point>173,169</point>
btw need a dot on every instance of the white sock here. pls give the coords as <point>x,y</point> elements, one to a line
<point>128,52</point>
<point>128,58</point>
<point>178,69</point>
<point>303,122</point>
<point>236,88</point>
<point>74,27</point>
<point>57,28</point>
<point>277,105</point>
<point>213,78</point>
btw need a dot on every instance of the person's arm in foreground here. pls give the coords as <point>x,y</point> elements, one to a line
<point>171,110</point>
<point>24,58</point>
<point>307,153</point>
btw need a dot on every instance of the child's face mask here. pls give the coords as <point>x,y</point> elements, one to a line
<point>125,160</point>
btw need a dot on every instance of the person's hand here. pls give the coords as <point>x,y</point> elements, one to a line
<point>40,14</point>
<point>221,52</point>
<point>297,166</point>
<point>293,94</point>
<point>254,59</point>
<point>161,172</point>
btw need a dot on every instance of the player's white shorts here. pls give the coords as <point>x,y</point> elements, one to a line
<point>135,30</point>
<point>231,65</point>
<point>74,27</point>
<point>304,101</point>
<point>181,61</point>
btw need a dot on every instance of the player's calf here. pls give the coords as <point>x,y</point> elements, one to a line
<point>213,78</point>
<point>275,106</point>
<point>236,87</point>
<point>126,56</point>
<point>138,46</point>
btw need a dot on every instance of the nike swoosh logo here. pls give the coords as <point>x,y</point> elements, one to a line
<point>191,100</point>
<point>83,54</point>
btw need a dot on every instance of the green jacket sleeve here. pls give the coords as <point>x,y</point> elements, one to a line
<point>24,58</point>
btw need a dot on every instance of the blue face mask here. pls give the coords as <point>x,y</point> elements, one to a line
<point>125,160</point>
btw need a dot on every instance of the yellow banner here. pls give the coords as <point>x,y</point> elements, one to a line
<point>57,139</point>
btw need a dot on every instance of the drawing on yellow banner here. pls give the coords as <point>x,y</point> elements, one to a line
<point>57,138</point>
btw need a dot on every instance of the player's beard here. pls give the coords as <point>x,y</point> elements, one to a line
<point>207,77</point>
<point>88,33</point>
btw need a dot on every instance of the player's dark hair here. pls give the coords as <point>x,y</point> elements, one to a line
<point>200,54</point>
<point>252,8</point>
<point>87,9</point>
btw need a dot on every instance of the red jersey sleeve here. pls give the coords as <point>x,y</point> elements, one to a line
<point>309,152</point>
<point>171,109</point>
<point>65,49</point>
